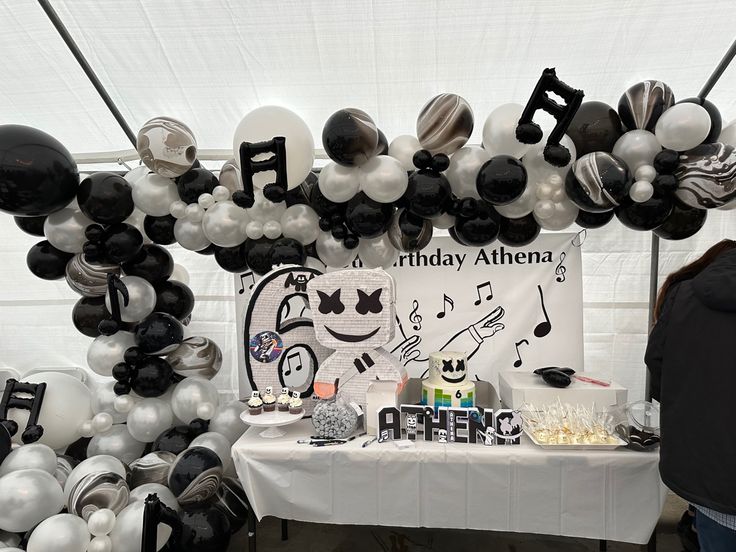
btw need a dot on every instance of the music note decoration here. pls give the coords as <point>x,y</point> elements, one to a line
<point>479,287</point>
<point>27,396</point>
<point>114,286</point>
<point>446,300</point>
<point>560,268</point>
<point>518,362</point>
<point>414,317</point>
<point>545,326</point>
<point>241,291</point>
<point>275,191</point>
<point>298,367</point>
<point>529,132</point>
<point>155,512</point>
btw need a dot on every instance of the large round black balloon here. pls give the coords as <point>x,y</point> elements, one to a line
<point>106,198</point>
<point>684,221</point>
<point>595,127</point>
<point>196,464</point>
<point>258,255</point>
<point>350,137</point>
<point>160,230</point>
<point>323,206</point>
<point>5,443</point>
<point>37,174</point>
<point>231,499</point>
<point>427,194</point>
<point>518,232</point>
<point>232,259</point>
<point>367,218</point>
<point>288,251</point>
<point>174,440</point>
<point>47,262</point>
<point>302,193</point>
<point>202,529</point>
<point>152,263</point>
<point>194,183</point>
<point>31,225</point>
<point>716,121</point>
<point>647,215</point>
<point>382,146</point>
<point>121,242</point>
<point>586,219</point>
<point>153,377</point>
<point>174,298</point>
<point>211,249</point>
<point>87,314</point>
<point>501,180</point>
<point>479,230</point>
<point>159,333</point>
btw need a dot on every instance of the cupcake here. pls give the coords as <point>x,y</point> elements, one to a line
<point>295,405</point>
<point>255,405</point>
<point>282,403</point>
<point>269,401</point>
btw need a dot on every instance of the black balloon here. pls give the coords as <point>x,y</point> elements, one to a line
<point>323,206</point>
<point>479,230</point>
<point>174,298</point>
<point>501,180</point>
<point>350,137</point>
<point>5,443</point>
<point>666,183</point>
<point>382,147</point>
<point>190,466</point>
<point>47,262</point>
<point>716,121</point>
<point>518,232</point>
<point>106,198</point>
<point>302,193</point>
<point>595,127</point>
<point>202,529</point>
<point>160,230</point>
<point>159,333</point>
<point>258,255</point>
<point>666,161</point>
<point>232,259</point>
<point>647,215</point>
<point>683,222</point>
<point>87,314</point>
<point>368,218</point>
<point>152,263</point>
<point>586,219</point>
<point>211,249</point>
<point>121,242</point>
<point>288,251</point>
<point>174,440</point>
<point>31,225</point>
<point>231,499</point>
<point>427,194</point>
<point>37,174</point>
<point>153,377</point>
<point>194,183</point>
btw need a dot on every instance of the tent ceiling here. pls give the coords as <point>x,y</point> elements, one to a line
<point>210,62</point>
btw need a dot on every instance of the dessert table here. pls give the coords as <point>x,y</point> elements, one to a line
<point>608,495</point>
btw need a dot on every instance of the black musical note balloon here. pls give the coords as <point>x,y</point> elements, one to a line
<point>414,317</point>
<point>560,268</point>
<point>27,396</point>
<point>479,287</point>
<point>275,191</point>
<point>154,513</point>
<point>544,327</point>
<point>529,132</point>
<point>518,362</point>
<point>446,301</point>
<point>114,286</point>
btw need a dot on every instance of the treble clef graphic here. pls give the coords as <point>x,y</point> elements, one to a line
<point>414,317</point>
<point>560,268</point>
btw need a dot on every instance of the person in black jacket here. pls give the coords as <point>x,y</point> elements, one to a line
<point>693,375</point>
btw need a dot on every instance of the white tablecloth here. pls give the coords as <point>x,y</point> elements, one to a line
<point>614,495</point>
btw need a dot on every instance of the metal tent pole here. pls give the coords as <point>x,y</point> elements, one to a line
<point>74,49</point>
<point>713,79</point>
<point>653,287</point>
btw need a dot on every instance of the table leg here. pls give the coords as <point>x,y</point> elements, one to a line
<point>284,530</point>
<point>252,523</point>
<point>602,545</point>
<point>652,544</point>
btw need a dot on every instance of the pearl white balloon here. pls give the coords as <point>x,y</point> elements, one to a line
<point>300,222</point>
<point>544,209</point>
<point>637,148</point>
<point>86,430</point>
<point>180,274</point>
<point>60,533</point>
<point>558,195</point>
<point>101,522</point>
<point>339,183</point>
<point>499,131</point>
<point>443,222</point>
<point>522,206</point>
<point>107,350</point>
<point>8,540</point>
<point>103,400</point>
<point>641,191</point>
<point>165,495</point>
<point>563,216</point>
<point>128,531</point>
<point>220,193</point>
<point>102,463</point>
<point>645,172</point>
<point>272,229</point>
<point>216,443</point>
<point>224,224</point>
<point>141,300</point>
<point>28,497</point>
<point>123,404</point>
<point>190,235</point>
<point>149,418</point>
<point>206,200</point>
<point>100,544</point>
<point>264,210</point>
<point>178,209</point>
<point>194,213</point>
<point>545,191</point>
<point>205,411</point>
<point>332,252</point>
<point>154,194</point>
<point>683,126</point>
<point>31,456</point>
<point>377,252</point>
<point>64,229</point>
<point>134,175</point>
<point>403,148</point>
<point>462,173</point>
<point>117,442</point>
<point>383,179</point>
<point>537,167</point>
<point>189,394</point>
<point>261,125</point>
<point>226,421</point>
<point>229,177</point>
<point>254,230</point>
<point>101,422</point>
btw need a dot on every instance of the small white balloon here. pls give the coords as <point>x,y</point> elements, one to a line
<point>555,181</point>
<point>641,191</point>
<point>563,216</point>
<point>377,252</point>
<point>683,126</point>
<point>300,222</point>
<point>254,230</point>
<point>544,209</point>
<point>206,201</point>
<point>194,212</point>
<point>123,403</point>
<point>645,172</point>
<point>102,543</point>
<point>637,148</point>
<point>60,533</point>
<point>101,522</point>
<point>558,195</point>
<point>499,131</point>
<point>107,350</point>
<point>205,411</point>
<point>220,193</point>
<point>64,229</point>
<point>383,179</point>
<point>30,456</point>
<point>154,194</point>
<point>141,300</point>
<point>264,210</point>
<point>272,229</point>
<point>403,148</point>
<point>190,235</point>
<point>332,252</point>
<point>101,422</point>
<point>180,274</point>
<point>103,400</point>
<point>178,209</point>
<point>339,183</point>
<point>545,191</point>
<point>86,430</point>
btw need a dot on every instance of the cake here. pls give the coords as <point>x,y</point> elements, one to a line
<point>255,404</point>
<point>295,405</point>
<point>282,402</point>
<point>269,401</point>
<point>448,383</point>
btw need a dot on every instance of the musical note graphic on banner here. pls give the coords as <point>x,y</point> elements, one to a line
<point>518,362</point>
<point>414,316</point>
<point>480,287</point>
<point>560,268</point>
<point>544,327</point>
<point>446,301</point>
<point>241,291</point>
<point>289,358</point>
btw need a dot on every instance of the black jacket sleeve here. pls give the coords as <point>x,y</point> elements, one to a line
<point>657,338</point>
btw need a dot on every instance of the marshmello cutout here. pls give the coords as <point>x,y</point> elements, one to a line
<point>354,314</point>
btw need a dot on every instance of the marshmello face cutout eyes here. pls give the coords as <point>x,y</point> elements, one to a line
<point>330,303</point>
<point>369,303</point>
<point>452,370</point>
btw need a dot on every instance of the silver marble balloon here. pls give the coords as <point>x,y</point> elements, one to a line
<point>707,176</point>
<point>89,279</point>
<point>167,146</point>
<point>196,356</point>
<point>96,491</point>
<point>64,467</point>
<point>445,124</point>
<point>151,468</point>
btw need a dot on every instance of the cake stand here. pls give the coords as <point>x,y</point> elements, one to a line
<point>272,421</point>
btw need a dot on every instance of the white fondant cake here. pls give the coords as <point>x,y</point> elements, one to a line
<point>448,383</point>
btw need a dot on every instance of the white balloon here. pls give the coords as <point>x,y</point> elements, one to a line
<point>154,194</point>
<point>403,148</point>
<point>544,209</point>
<point>141,300</point>
<point>86,430</point>
<point>332,252</point>
<point>128,531</point>
<point>261,125</point>
<point>229,177</point>
<point>645,172</point>
<point>194,213</point>
<point>118,442</point>
<point>226,421</point>
<point>641,191</point>
<point>538,169</point>
<point>339,183</point>
<point>300,222</point>
<point>224,224</point>
<point>123,404</point>
<point>178,209</point>
<point>637,148</point>
<point>31,456</point>
<point>205,411</point>
<point>564,215</point>
<point>64,229</point>
<point>462,173</point>
<point>180,274</point>
<point>133,175</point>
<point>190,235</point>
<point>165,495</point>
<point>377,252</point>
<point>264,210</point>
<point>545,190</point>
<point>272,229</point>
<point>136,218</point>
<point>499,131</point>
<point>216,443</point>
<point>221,193</point>
<point>189,394</point>
<point>60,533</point>
<point>149,418</point>
<point>521,206</point>
<point>103,400</point>
<point>254,230</point>
<point>383,179</point>
<point>28,497</point>
<point>444,221</point>
<point>107,350</point>
<point>100,544</point>
<point>101,422</point>
<point>206,200</point>
<point>683,126</point>
<point>101,522</point>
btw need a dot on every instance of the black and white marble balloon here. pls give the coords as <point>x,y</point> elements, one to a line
<point>152,468</point>
<point>96,491</point>
<point>707,176</point>
<point>195,475</point>
<point>196,356</point>
<point>643,103</point>
<point>445,124</point>
<point>89,279</point>
<point>598,182</point>
<point>350,137</point>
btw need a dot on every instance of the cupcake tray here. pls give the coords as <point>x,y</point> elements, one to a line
<point>272,421</point>
<point>607,446</point>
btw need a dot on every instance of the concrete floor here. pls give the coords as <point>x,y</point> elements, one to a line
<point>313,537</point>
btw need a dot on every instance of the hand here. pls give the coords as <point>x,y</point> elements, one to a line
<point>489,325</point>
